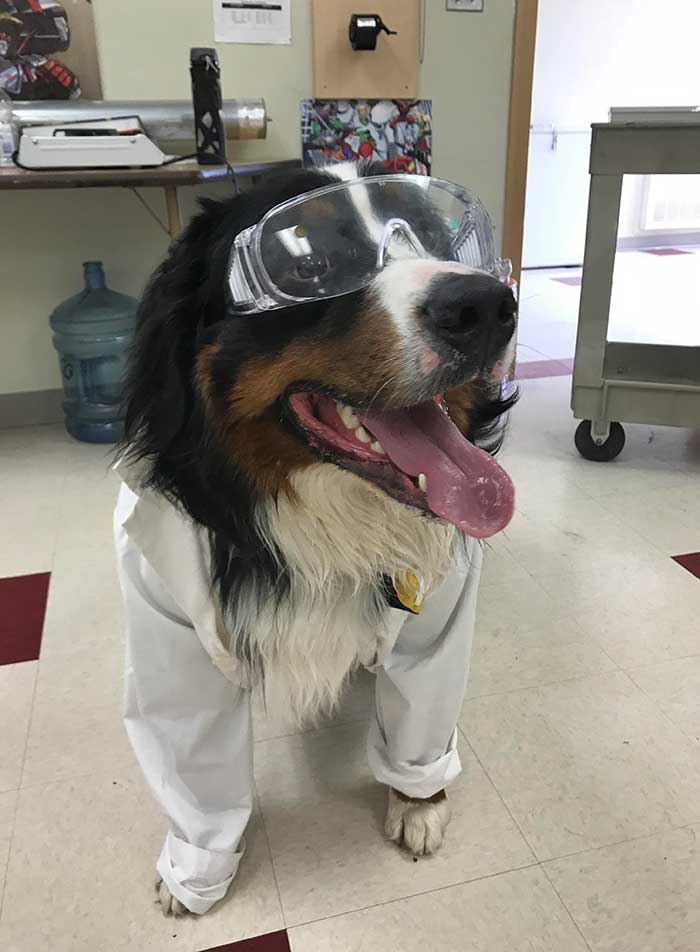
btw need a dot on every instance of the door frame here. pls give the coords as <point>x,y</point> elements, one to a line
<point>524,35</point>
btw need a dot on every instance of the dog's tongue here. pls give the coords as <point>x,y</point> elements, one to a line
<point>466,486</point>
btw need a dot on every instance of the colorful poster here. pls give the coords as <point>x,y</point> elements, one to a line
<point>43,50</point>
<point>394,132</point>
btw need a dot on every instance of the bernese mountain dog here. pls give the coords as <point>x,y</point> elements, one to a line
<point>322,447</point>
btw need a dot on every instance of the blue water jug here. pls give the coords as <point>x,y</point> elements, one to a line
<point>92,333</point>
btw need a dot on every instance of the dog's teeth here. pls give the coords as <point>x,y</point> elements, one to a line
<point>362,435</point>
<point>378,448</point>
<point>348,417</point>
<point>423,482</point>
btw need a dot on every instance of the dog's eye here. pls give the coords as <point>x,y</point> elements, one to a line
<point>311,267</point>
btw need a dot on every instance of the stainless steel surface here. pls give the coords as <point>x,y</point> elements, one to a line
<point>164,121</point>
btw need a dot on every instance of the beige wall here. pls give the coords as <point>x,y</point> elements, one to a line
<point>144,53</point>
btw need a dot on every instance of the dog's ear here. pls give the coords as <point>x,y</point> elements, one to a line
<point>173,315</point>
<point>478,412</point>
<point>487,422</point>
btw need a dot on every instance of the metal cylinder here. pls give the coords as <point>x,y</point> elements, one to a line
<point>166,120</point>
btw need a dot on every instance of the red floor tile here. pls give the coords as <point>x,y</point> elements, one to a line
<point>272,942</point>
<point>691,561</point>
<point>532,369</point>
<point>574,281</point>
<point>665,251</point>
<point>22,608</point>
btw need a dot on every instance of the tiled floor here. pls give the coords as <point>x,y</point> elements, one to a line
<point>649,305</point>
<point>575,819</point>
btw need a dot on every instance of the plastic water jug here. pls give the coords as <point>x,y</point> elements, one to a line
<point>92,333</point>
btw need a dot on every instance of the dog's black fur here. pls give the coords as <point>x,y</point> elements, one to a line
<point>169,429</point>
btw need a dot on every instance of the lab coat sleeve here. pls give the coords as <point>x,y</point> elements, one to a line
<point>420,687</point>
<point>190,729</point>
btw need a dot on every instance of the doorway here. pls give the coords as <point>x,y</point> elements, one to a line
<point>586,59</point>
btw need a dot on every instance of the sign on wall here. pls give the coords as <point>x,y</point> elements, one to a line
<point>253,21</point>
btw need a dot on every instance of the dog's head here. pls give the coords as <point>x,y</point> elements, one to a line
<point>391,382</point>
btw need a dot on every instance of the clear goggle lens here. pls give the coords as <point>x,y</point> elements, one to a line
<point>336,239</point>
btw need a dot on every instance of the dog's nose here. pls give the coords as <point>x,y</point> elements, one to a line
<point>475,313</point>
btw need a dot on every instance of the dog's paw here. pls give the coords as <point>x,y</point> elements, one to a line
<point>170,906</point>
<point>417,825</point>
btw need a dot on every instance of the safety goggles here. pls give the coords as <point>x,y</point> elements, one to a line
<point>336,239</point>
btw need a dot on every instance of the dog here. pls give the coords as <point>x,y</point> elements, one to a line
<point>328,451</point>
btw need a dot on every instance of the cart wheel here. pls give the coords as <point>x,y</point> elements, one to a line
<point>599,452</point>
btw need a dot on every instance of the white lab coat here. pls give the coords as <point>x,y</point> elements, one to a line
<point>187,705</point>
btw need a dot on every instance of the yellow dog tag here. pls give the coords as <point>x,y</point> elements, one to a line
<point>410,591</point>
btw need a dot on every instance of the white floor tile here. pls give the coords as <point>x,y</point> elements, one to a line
<point>78,614</point>
<point>670,520</point>
<point>513,604</point>
<point>82,869</point>
<point>644,286</point>
<point>555,339</point>
<point>643,579</point>
<point>641,612</point>
<point>585,763</point>
<point>29,530</point>
<point>509,657</point>
<point>36,462</point>
<point>4,856</point>
<point>89,497</point>
<point>675,686</point>
<point>76,723</point>
<point>514,912</point>
<point>499,565</point>
<point>642,896</point>
<point>8,805</point>
<point>555,540</point>
<point>324,815</point>
<point>16,690</point>
<point>635,635</point>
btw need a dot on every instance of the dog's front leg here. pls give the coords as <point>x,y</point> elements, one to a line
<point>420,687</point>
<point>417,824</point>
<point>190,728</point>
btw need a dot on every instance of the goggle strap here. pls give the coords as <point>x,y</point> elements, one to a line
<point>245,287</point>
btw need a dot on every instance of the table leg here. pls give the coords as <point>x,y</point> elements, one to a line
<point>173,207</point>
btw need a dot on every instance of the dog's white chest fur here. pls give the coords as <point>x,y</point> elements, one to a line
<point>337,537</point>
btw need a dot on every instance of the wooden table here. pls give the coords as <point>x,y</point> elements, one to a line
<point>167,177</point>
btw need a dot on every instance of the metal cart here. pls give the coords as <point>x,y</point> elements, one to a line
<point>630,382</point>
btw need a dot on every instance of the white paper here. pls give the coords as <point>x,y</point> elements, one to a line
<point>253,21</point>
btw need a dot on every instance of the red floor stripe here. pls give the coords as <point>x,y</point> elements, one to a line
<point>532,369</point>
<point>272,942</point>
<point>573,281</point>
<point>22,609</point>
<point>691,562</point>
<point>662,252</point>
